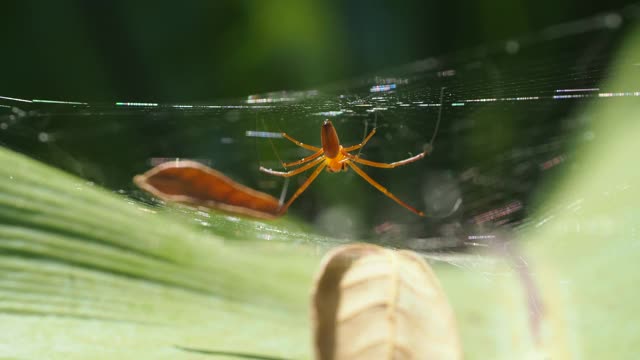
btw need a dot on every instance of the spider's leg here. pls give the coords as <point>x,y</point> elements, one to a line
<point>386,165</point>
<point>292,172</point>
<point>363,143</point>
<point>303,187</point>
<point>303,160</point>
<point>383,189</point>
<point>308,147</point>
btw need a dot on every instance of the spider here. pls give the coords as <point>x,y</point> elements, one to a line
<point>334,157</point>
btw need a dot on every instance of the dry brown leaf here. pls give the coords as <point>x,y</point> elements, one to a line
<point>194,184</point>
<point>375,303</point>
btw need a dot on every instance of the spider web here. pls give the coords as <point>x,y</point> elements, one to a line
<point>507,126</point>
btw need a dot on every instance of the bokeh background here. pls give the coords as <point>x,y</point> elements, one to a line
<point>203,50</point>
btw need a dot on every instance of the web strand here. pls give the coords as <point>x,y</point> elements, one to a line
<point>435,132</point>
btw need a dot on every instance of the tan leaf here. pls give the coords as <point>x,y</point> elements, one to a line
<point>375,303</point>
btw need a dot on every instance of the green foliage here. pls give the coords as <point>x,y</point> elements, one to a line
<point>88,274</point>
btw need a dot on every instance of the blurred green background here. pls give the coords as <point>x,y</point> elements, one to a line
<point>203,50</point>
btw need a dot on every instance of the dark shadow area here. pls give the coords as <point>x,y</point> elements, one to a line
<point>238,355</point>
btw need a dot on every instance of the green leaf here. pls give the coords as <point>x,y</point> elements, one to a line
<point>85,273</point>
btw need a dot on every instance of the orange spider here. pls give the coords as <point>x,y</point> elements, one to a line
<point>336,158</point>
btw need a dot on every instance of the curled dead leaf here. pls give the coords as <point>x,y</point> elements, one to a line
<point>375,303</point>
<point>192,183</point>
